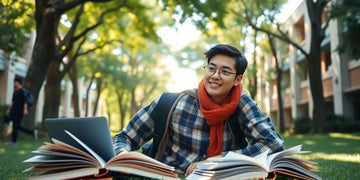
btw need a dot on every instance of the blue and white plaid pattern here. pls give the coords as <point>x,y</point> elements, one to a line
<point>189,133</point>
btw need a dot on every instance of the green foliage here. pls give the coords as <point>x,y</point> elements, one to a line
<point>201,12</point>
<point>348,13</point>
<point>302,125</point>
<point>16,23</point>
<point>3,109</point>
<point>336,123</point>
<point>333,123</point>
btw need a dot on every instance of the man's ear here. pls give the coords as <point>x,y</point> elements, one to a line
<point>238,79</point>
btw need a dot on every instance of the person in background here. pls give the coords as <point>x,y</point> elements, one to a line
<point>199,127</point>
<point>17,110</point>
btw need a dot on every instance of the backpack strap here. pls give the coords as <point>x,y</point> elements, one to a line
<point>161,123</point>
<point>236,130</point>
<point>235,127</point>
<point>163,113</point>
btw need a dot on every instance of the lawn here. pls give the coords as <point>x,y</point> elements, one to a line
<point>337,154</point>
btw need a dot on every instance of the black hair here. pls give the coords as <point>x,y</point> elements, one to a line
<point>18,80</point>
<point>240,60</point>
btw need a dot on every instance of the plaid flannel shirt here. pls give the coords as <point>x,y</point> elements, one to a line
<point>189,134</point>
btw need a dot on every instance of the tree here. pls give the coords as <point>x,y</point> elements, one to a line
<point>51,48</point>
<point>315,11</point>
<point>48,52</point>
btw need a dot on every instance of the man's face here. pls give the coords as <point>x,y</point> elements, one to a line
<point>16,84</point>
<point>217,84</point>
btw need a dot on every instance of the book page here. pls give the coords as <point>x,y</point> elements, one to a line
<point>137,163</point>
<point>60,146</point>
<point>60,150</point>
<point>72,174</point>
<point>234,165</point>
<point>101,160</point>
<point>233,159</point>
<point>134,155</point>
<point>236,172</point>
<point>65,153</point>
<point>290,151</point>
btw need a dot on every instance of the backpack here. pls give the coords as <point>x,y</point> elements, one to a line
<point>28,98</point>
<point>163,112</point>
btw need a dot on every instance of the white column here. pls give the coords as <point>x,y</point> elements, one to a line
<point>310,102</point>
<point>342,104</point>
<point>7,88</point>
<point>39,107</point>
<point>294,84</point>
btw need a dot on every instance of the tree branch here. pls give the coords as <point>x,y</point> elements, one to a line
<point>72,60</point>
<point>72,4</point>
<point>282,35</point>
<point>68,40</point>
<point>77,54</point>
<point>99,22</point>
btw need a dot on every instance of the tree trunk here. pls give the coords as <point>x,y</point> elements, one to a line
<point>99,86</point>
<point>75,97</point>
<point>279,86</point>
<point>252,71</point>
<point>108,111</point>
<point>52,91</point>
<point>314,64</point>
<point>133,106</point>
<point>43,53</point>
<point>122,108</point>
<point>316,89</point>
<point>88,95</point>
<point>254,90</point>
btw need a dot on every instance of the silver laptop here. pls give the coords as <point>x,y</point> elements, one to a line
<point>93,131</point>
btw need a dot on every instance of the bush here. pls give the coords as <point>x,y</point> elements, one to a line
<point>302,125</point>
<point>3,109</point>
<point>337,123</point>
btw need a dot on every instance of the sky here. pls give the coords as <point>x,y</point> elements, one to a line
<point>183,78</point>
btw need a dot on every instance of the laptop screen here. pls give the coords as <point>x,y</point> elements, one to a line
<point>93,131</point>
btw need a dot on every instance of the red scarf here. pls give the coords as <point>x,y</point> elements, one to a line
<point>216,114</point>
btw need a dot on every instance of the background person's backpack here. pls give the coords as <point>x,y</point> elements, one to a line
<point>28,98</point>
<point>163,112</point>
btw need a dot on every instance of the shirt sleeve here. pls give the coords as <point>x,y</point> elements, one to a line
<point>258,128</point>
<point>138,131</point>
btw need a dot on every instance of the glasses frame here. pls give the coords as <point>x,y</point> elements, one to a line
<point>215,70</point>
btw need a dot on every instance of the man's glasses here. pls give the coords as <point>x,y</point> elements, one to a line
<point>224,73</point>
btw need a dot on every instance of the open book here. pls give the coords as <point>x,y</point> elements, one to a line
<point>59,160</point>
<point>239,166</point>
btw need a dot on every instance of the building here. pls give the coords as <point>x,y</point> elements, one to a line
<point>340,74</point>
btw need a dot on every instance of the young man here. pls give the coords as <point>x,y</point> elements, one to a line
<point>199,126</point>
<point>17,109</point>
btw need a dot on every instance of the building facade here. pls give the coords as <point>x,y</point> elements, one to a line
<point>340,73</point>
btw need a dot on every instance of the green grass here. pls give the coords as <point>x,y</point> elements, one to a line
<point>337,154</point>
